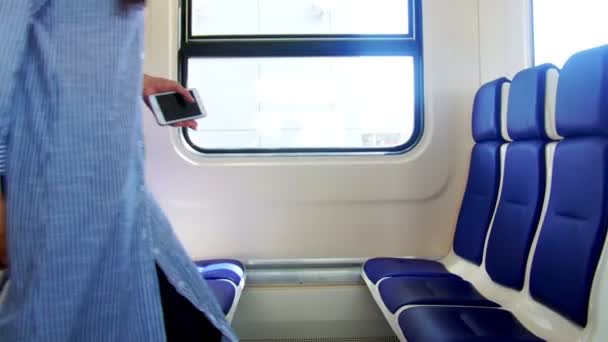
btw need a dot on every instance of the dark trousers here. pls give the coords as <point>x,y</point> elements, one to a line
<point>183,322</point>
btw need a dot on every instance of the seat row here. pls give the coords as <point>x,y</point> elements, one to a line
<point>532,224</point>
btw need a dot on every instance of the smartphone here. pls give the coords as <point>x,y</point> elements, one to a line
<point>171,107</point>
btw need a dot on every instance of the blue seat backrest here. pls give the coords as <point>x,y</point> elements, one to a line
<point>484,173</point>
<point>574,229</point>
<point>521,199</point>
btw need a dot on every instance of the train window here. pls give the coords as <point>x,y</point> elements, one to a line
<point>563,27</point>
<point>322,17</point>
<point>304,76</point>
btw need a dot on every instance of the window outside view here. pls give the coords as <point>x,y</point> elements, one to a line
<point>563,27</point>
<point>268,17</point>
<point>303,102</point>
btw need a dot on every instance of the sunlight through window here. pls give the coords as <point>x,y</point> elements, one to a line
<point>563,27</point>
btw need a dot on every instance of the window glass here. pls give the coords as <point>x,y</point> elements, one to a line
<point>269,103</point>
<point>304,75</point>
<point>563,27</point>
<point>281,17</point>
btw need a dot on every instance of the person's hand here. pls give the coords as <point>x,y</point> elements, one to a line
<point>154,85</point>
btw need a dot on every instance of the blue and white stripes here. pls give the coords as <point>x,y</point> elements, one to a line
<point>2,161</point>
<point>14,24</point>
<point>84,234</point>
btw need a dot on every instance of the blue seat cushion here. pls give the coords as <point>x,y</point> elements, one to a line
<point>457,324</point>
<point>573,233</point>
<point>487,109</point>
<point>526,109</point>
<point>224,293</point>
<point>228,269</point>
<point>379,268</point>
<point>581,105</point>
<point>222,274</point>
<point>207,262</point>
<point>478,201</point>
<point>402,291</point>
<point>517,214</point>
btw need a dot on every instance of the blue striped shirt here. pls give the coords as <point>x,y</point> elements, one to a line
<point>84,234</point>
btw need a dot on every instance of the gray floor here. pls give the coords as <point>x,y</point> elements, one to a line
<point>354,339</point>
<point>310,313</point>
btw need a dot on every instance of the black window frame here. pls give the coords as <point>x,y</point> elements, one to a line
<point>305,45</point>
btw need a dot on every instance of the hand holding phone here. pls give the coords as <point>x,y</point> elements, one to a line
<point>170,107</point>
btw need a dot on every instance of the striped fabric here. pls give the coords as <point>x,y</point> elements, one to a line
<point>84,234</point>
<point>3,158</point>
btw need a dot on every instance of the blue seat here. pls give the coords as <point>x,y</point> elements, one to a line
<point>379,268</point>
<point>228,269</point>
<point>456,324</point>
<point>517,212</point>
<point>225,293</point>
<point>404,291</point>
<point>226,278</point>
<point>479,198</point>
<point>574,229</point>
<point>523,184</point>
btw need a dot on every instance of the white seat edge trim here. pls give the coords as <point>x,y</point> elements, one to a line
<point>598,300</point>
<point>503,156</point>
<point>552,79</point>
<point>504,110</point>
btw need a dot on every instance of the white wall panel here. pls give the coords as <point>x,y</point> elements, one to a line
<point>324,207</point>
<point>505,37</point>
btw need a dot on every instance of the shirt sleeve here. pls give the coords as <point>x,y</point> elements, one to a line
<point>15,21</point>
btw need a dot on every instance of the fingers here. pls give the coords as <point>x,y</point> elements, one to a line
<point>154,85</point>
<point>187,124</point>
<point>192,124</point>
<point>183,92</point>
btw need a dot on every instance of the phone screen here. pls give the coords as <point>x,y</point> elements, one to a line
<point>174,107</point>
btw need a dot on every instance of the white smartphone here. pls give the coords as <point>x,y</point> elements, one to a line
<point>171,107</point>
